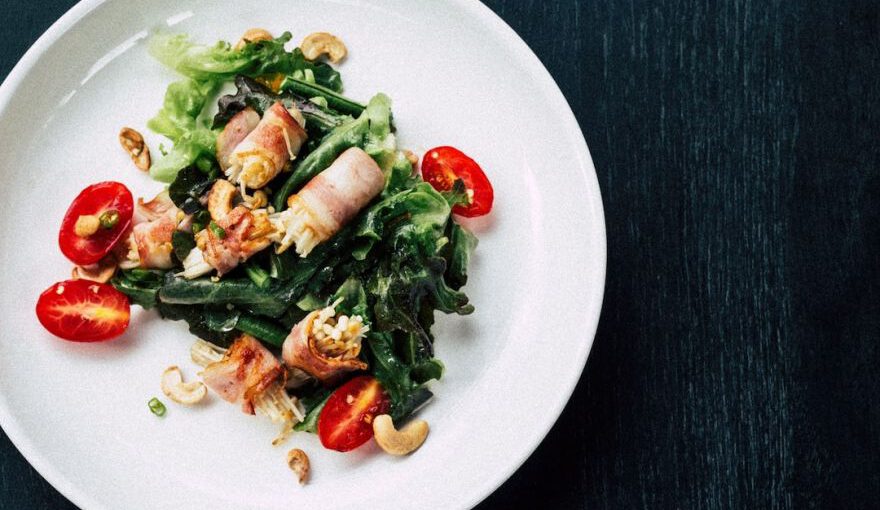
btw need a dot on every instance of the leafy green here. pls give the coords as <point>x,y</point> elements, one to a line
<point>200,321</point>
<point>354,298</point>
<point>427,370</point>
<point>313,404</point>
<point>319,119</point>
<point>200,220</point>
<point>178,120</point>
<point>189,148</point>
<point>406,394</point>
<point>400,176</point>
<point>182,243</point>
<point>380,142</point>
<point>424,210</point>
<point>220,61</point>
<point>140,285</point>
<point>184,101</point>
<point>461,245</point>
<point>189,186</point>
<point>203,291</point>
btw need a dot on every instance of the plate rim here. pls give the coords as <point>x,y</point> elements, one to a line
<point>489,484</point>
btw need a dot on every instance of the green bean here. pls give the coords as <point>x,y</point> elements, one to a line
<point>265,330</point>
<point>340,139</point>
<point>335,101</point>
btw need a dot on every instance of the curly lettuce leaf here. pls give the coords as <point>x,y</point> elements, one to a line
<point>184,101</point>
<point>221,61</point>
<point>178,120</point>
<point>187,150</point>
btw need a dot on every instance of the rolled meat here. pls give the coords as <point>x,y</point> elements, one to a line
<point>236,130</point>
<point>246,371</point>
<point>239,234</point>
<point>262,154</point>
<point>149,245</point>
<point>325,345</point>
<point>329,201</point>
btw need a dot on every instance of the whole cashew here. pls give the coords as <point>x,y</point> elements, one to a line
<point>399,442</point>
<point>179,391</point>
<point>253,35</point>
<point>323,43</point>
<point>298,462</point>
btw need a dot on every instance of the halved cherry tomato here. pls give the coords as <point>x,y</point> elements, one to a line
<point>441,166</point>
<point>83,311</point>
<point>346,421</point>
<point>97,199</point>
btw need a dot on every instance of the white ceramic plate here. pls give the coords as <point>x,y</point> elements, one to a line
<point>458,75</point>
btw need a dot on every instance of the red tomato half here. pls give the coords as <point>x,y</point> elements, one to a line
<point>441,166</point>
<point>95,200</point>
<point>83,311</point>
<point>346,421</point>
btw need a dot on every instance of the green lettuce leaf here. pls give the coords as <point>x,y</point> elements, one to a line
<point>220,61</point>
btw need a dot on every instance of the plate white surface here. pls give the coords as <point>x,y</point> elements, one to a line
<point>457,75</point>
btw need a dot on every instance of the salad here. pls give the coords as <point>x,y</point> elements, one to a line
<point>304,249</point>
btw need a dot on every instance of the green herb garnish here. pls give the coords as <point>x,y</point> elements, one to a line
<point>217,230</point>
<point>157,407</point>
<point>109,219</point>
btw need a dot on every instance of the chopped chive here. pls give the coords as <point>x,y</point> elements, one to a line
<point>156,406</point>
<point>217,230</point>
<point>109,219</point>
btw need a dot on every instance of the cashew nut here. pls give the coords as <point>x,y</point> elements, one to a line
<point>259,199</point>
<point>323,43</point>
<point>133,143</point>
<point>86,225</point>
<point>179,391</point>
<point>399,442</point>
<point>299,464</point>
<point>100,272</point>
<point>253,35</point>
<point>220,199</point>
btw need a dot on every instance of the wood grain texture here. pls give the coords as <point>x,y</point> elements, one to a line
<point>736,144</point>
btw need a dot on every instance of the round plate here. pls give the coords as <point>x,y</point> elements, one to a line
<point>458,76</point>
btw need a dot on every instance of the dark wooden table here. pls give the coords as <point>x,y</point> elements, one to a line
<point>736,144</point>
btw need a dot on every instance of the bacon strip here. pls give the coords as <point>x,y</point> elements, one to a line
<point>329,201</point>
<point>245,232</point>
<point>300,350</point>
<point>246,371</point>
<point>263,153</point>
<point>236,130</point>
<point>155,222</point>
